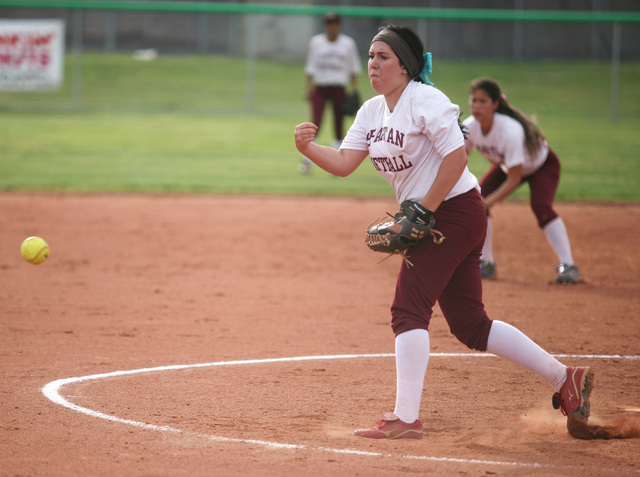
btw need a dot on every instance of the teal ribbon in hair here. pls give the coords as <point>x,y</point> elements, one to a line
<point>427,69</point>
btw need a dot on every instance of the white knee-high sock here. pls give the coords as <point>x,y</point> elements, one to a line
<point>487,249</point>
<point>558,237</point>
<point>412,358</point>
<point>510,343</point>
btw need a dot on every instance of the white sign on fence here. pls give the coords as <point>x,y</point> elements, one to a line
<point>31,54</point>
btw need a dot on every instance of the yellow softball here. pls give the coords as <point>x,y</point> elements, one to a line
<point>34,250</point>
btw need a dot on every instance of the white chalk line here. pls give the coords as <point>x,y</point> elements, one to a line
<point>52,392</point>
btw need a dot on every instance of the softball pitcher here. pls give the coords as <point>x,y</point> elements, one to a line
<point>412,135</point>
<point>519,152</point>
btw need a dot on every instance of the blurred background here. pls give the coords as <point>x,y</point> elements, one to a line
<point>455,30</point>
<point>190,28</point>
<point>157,95</point>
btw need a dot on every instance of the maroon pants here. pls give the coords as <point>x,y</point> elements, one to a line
<point>543,185</point>
<point>448,273</point>
<point>335,94</point>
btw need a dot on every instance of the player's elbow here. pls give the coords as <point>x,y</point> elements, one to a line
<point>342,172</point>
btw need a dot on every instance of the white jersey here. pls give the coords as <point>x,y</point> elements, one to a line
<point>407,146</point>
<point>331,63</point>
<point>504,145</point>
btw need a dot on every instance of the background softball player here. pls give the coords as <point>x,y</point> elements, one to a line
<point>332,63</point>
<point>412,135</point>
<point>519,153</point>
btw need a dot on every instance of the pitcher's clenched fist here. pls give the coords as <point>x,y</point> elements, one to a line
<point>304,135</point>
<point>340,162</point>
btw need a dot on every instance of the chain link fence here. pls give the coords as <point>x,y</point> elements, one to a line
<point>504,30</point>
<point>283,35</point>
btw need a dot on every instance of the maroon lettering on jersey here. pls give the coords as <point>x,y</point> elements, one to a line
<point>393,164</point>
<point>491,151</point>
<point>403,165</point>
<point>380,135</point>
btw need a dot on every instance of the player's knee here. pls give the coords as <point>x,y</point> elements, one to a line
<point>401,323</point>
<point>544,214</point>
<point>474,336</point>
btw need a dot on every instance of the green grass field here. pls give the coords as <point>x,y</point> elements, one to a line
<point>188,124</point>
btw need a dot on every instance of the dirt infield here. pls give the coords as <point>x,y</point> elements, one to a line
<point>135,282</point>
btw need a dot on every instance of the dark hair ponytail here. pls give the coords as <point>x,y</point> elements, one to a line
<point>533,136</point>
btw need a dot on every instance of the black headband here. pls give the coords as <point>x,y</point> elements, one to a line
<point>402,50</point>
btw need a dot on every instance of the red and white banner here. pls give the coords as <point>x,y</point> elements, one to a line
<point>31,54</point>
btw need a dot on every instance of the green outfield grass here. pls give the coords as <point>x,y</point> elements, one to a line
<point>189,124</point>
